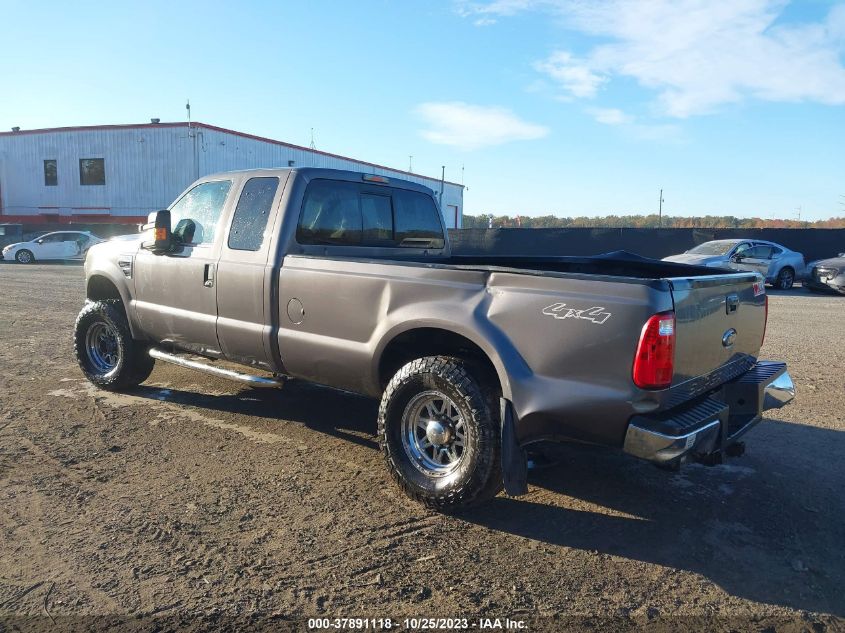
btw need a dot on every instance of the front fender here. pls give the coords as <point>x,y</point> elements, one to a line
<point>109,270</point>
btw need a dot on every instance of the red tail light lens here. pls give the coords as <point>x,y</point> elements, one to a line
<point>654,363</point>
<point>765,321</point>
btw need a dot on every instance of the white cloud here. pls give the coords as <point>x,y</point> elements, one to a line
<point>573,74</point>
<point>696,55</point>
<point>469,127</point>
<point>610,116</point>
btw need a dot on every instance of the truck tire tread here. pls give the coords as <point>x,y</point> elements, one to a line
<point>485,480</point>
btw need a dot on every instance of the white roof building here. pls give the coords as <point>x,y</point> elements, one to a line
<point>120,173</point>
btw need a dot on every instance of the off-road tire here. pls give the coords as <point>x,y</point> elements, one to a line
<point>785,279</point>
<point>24,260</point>
<point>478,475</point>
<point>134,363</point>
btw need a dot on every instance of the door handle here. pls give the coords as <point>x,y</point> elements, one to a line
<point>731,303</point>
<point>208,276</point>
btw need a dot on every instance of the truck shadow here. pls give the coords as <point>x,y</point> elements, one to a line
<point>766,527</point>
<point>340,414</point>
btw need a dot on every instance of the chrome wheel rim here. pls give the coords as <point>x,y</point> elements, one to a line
<point>24,257</point>
<point>434,433</point>
<point>102,347</point>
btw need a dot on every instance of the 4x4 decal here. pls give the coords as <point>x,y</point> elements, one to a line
<point>560,311</point>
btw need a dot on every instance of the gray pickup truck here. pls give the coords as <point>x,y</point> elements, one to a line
<point>347,279</point>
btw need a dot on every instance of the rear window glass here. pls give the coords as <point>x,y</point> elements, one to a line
<point>417,220</point>
<point>330,214</point>
<point>349,213</point>
<point>377,218</point>
<point>252,213</point>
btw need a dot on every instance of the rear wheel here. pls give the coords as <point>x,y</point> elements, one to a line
<point>786,278</point>
<point>24,257</point>
<point>439,433</point>
<point>105,350</point>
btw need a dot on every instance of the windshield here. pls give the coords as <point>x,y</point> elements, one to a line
<point>712,248</point>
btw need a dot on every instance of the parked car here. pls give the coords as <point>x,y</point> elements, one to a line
<point>57,245</point>
<point>347,279</point>
<point>827,274</point>
<point>779,265</point>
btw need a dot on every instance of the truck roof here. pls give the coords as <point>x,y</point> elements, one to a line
<point>330,174</point>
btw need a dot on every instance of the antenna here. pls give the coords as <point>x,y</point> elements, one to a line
<point>411,164</point>
<point>313,145</point>
<point>188,108</point>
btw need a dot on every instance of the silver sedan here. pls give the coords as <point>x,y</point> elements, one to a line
<point>779,265</point>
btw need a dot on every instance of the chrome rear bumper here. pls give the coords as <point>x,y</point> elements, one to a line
<point>708,426</point>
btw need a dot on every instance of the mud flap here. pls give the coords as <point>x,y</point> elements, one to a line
<point>514,461</point>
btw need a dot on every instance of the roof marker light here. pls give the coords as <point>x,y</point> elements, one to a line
<point>374,178</point>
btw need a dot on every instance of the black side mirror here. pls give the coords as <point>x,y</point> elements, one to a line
<point>162,237</point>
<point>736,258</point>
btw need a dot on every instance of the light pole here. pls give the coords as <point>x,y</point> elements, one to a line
<point>660,211</point>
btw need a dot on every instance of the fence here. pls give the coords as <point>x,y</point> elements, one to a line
<point>657,243</point>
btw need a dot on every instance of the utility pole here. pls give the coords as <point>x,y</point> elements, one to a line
<point>660,210</point>
<point>799,213</point>
<point>313,144</point>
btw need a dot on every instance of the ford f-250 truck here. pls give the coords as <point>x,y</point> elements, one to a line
<point>347,279</point>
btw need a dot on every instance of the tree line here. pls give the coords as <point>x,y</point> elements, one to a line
<point>484,221</point>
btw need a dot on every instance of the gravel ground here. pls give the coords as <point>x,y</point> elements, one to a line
<point>192,495</point>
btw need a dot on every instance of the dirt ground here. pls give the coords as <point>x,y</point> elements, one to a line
<point>193,495</point>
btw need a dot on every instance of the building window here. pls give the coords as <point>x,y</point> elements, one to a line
<point>51,178</point>
<point>92,171</point>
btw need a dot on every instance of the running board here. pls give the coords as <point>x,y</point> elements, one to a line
<point>254,381</point>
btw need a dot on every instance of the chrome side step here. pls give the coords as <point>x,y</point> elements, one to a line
<point>254,381</point>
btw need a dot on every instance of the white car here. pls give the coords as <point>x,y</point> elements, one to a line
<point>58,245</point>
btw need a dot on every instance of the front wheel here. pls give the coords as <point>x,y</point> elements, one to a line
<point>105,350</point>
<point>439,432</point>
<point>24,257</point>
<point>786,277</point>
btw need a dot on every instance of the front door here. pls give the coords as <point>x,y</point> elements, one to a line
<point>756,259</point>
<point>176,294</point>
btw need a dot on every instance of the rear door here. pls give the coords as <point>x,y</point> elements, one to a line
<point>176,294</point>
<point>244,276</point>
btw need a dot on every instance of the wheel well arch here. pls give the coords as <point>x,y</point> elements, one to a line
<point>101,288</point>
<point>432,341</point>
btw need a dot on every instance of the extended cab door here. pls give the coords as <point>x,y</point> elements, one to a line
<point>176,293</point>
<point>244,276</point>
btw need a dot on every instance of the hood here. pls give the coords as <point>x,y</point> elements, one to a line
<point>697,260</point>
<point>14,244</point>
<point>833,262</point>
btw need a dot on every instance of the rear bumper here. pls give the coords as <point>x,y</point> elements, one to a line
<point>709,425</point>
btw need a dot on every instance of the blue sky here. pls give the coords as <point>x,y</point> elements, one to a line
<point>551,106</point>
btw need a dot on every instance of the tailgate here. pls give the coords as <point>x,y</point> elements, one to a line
<point>719,319</point>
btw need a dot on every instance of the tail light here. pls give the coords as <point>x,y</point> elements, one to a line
<point>654,363</point>
<point>765,321</point>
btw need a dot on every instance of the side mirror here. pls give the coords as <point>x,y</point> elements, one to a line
<point>736,258</point>
<point>162,242</point>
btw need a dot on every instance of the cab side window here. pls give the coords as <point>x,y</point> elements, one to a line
<point>195,215</point>
<point>250,219</point>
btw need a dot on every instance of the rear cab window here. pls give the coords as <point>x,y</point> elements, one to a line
<point>362,214</point>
